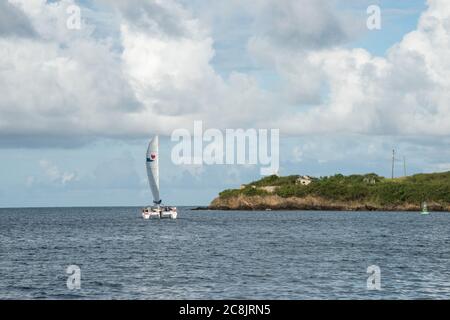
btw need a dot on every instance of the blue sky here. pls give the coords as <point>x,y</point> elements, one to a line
<point>134,73</point>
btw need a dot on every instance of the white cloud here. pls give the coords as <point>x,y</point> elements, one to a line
<point>174,80</point>
<point>406,93</point>
<point>63,83</point>
<point>54,174</point>
<point>64,86</point>
<point>13,22</point>
<point>299,24</point>
<point>76,86</point>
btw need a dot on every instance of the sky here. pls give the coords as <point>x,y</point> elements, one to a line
<point>78,106</point>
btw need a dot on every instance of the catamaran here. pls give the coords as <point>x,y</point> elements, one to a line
<point>158,211</point>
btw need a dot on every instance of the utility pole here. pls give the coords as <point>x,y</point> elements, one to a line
<point>393,161</point>
<point>404,166</point>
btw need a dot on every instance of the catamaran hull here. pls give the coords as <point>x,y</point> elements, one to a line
<point>152,215</point>
<point>159,214</point>
<point>169,215</point>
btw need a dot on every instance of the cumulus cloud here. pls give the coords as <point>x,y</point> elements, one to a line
<point>13,21</point>
<point>67,87</point>
<point>64,85</point>
<point>299,25</point>
<point>74,86</point>
<point>405,93</point>
<point>156,17</point>
<point>54,174</point>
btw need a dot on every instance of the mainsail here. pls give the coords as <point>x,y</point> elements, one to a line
<point>153,168</point>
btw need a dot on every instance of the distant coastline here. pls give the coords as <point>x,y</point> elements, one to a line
<point>368,192</point>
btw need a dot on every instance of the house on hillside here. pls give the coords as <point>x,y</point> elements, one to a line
<point>303,180</point>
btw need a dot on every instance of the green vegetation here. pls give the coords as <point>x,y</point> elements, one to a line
<point>248,191</point>
<point>369,188</point>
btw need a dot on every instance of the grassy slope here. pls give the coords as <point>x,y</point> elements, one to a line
<point>368,188</point>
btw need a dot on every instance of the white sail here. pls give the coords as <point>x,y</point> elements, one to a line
<point>153,168</point>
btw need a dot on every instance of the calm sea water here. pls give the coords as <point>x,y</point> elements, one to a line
<point>222,255</point>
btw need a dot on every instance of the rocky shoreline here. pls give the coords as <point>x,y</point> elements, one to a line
<point>274,202</point>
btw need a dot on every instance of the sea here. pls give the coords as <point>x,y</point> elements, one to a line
<point>112,253</point>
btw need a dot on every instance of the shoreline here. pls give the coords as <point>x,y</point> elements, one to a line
<point>313,210</point>
<point>310,203</point>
